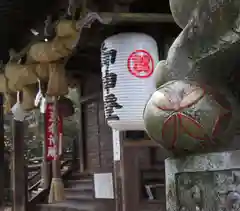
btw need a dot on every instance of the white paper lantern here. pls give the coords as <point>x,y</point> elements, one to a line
<point>128,61</point>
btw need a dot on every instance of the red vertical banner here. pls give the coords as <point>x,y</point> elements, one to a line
<point>51,145</point>
<point>51,149</point>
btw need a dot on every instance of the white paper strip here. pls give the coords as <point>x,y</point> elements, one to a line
<point>116,145</point>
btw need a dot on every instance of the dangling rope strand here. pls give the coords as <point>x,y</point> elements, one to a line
<point>88,20</point>
<point>48,28</point>
<point>71,10</point>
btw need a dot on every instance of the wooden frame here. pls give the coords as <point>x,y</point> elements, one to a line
<point>140,143</point>
<point>81,133</point>
<point>131,176</point>
<point>130,171</point>
<point>83,100</point>
<point>1,153</point>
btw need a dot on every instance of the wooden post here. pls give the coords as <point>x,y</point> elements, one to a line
<point>46,166</point>
<point>117,147</point>
<point>1,153</point>
<point>80,134</point>
<point>18,174</point>
<point>45,174</point>
<point>130,177</point>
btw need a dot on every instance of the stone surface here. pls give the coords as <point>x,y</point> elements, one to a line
<point>208,45</point>
<point>209,28</point>
<point>207,182</point>
<point>184,118</point>
<point>207,49</point>
<point>216,190</point>
<point>182,11</point>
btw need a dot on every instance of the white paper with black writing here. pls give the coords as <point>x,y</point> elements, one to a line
<point>128,61</point>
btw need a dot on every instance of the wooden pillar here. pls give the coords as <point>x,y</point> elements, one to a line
<point>2,173</point>
<point>81,146</point>
<point>130,177</point>
<point>18,174</point>
<point>117,174</point>
<point>46,166</point>
<point>131,172</point>
<point>46,174</point>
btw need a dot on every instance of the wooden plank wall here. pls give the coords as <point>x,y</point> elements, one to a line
<point>106,145</point>
<point>98,135</point>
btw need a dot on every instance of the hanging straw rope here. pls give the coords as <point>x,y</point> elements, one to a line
<point>8,95</point>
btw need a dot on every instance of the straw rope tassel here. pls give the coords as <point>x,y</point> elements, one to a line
<point>57,187</point>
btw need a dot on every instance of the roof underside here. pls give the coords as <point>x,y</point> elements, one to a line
<point>17,17</point>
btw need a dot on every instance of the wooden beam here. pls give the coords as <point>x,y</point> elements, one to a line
<point>91,97</point>
<point>18,170</point>
<point>2,173</point>
<point>113,18</point>
<point>140,143</point>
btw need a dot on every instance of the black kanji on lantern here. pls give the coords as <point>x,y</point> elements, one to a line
<point>109,82</point>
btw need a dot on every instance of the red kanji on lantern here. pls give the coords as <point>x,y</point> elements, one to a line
<point>140,64</point>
